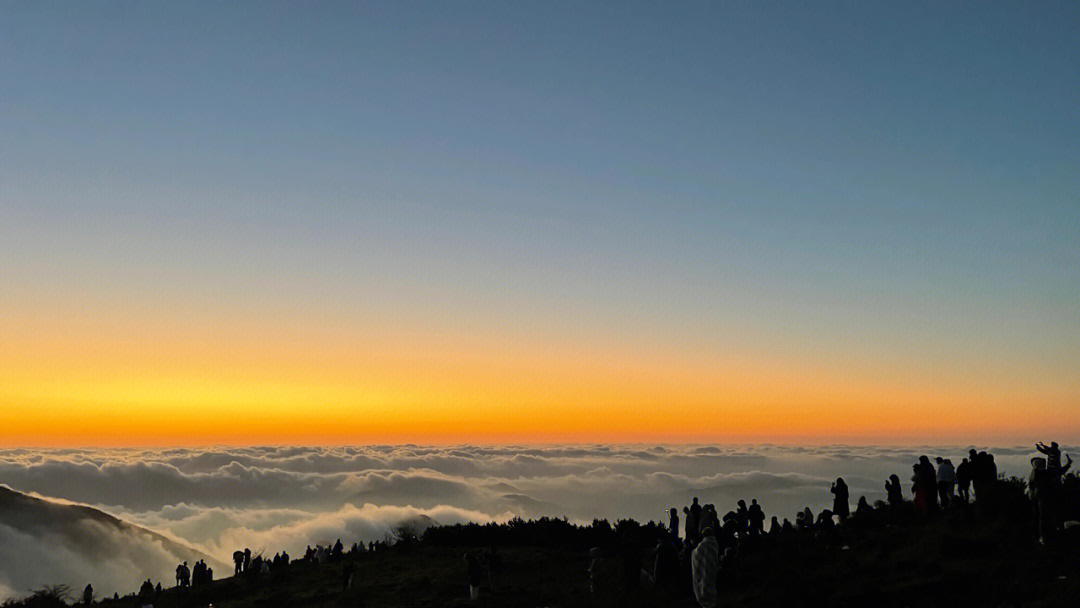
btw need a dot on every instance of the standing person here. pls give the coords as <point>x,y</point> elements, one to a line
<point>840,498</point>
<point>894,491</point>
<point>978,472</point>
<point>695,512</point>
<point>1053,456</point>
<point>705,563</point>
<point>926,479</point>
<point>757,518</point>
<point>673,523</point>
<point>88,595</point>
<point>963,480</point>
<point>1044,488</point>
<point>238,560</point>
<point>946,481</point>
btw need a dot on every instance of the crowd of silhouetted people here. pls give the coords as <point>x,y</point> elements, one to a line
<point>690,552</point>
<point>697,558</point>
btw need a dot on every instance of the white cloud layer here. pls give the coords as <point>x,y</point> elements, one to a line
<point>284,498</point>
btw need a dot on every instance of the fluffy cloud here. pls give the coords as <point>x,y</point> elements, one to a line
<point>288,497</point>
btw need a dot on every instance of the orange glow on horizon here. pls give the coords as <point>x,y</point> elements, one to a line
<point>161,385</point>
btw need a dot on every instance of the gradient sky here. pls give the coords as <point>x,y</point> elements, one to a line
<point>511,221</point>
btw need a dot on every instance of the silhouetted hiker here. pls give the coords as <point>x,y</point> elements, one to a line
<point>673,523</point>
<point>147,589</point>
<point>1044,489</point>
<point>825,521</point>
<point>894,491</point>
<point>705,564</point>
<point>946,481</point>
<point>977,465</point>
<point>196,574</point>
<point>247,559</point>
<point>88,595</point>
<point>180,578</point>
<point>863,508</point>
<point>284,558</point>
<point>963,480</point>
<point>774,526</point>
<point>257,567</point>
<point>695,515</point>
<point>786,526</point>
<point>742,515</point>
<point>476,575</point>
<point>757,518</point>
<point>1053,456</point>
<point>925,486</point>
<point>157,588</point>
<point>238,560</point>
<point>840,498</point>
<point>338,550</point>
<point>709,519</point>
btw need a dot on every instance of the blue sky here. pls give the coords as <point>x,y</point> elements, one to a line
<point>843,180</point>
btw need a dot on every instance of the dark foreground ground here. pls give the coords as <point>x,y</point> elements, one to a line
<point>955,560</point>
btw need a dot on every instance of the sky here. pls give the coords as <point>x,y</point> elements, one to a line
<point>538,222</point>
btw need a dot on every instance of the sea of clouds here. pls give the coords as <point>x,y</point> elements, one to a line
<point>284,498</point>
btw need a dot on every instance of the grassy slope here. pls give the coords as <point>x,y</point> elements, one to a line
<point>947,562</point>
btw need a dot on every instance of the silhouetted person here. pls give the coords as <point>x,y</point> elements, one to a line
<point>774,526</point>
<point>247,559</point>
<point>946,481</point>
<point>863,508</point>
<point>673,523</point>
<point>963,480</point>
<point>238,560</point>
<point>1044,488</point>
<point>88,595</point>
<point>925,486</point>
<point>705,563</point>
<point>147,589</point>
<point>338,550</point>
<point>840,498</point>
<point>757,518</point>
<point>978,472</point>
<point>742,515</point>
<point>825,521</point>
<point>1053,456</point>
<point>894,491</point>
<point>695,515</point>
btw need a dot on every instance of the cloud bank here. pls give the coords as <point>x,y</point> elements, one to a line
<point>284,498</point>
